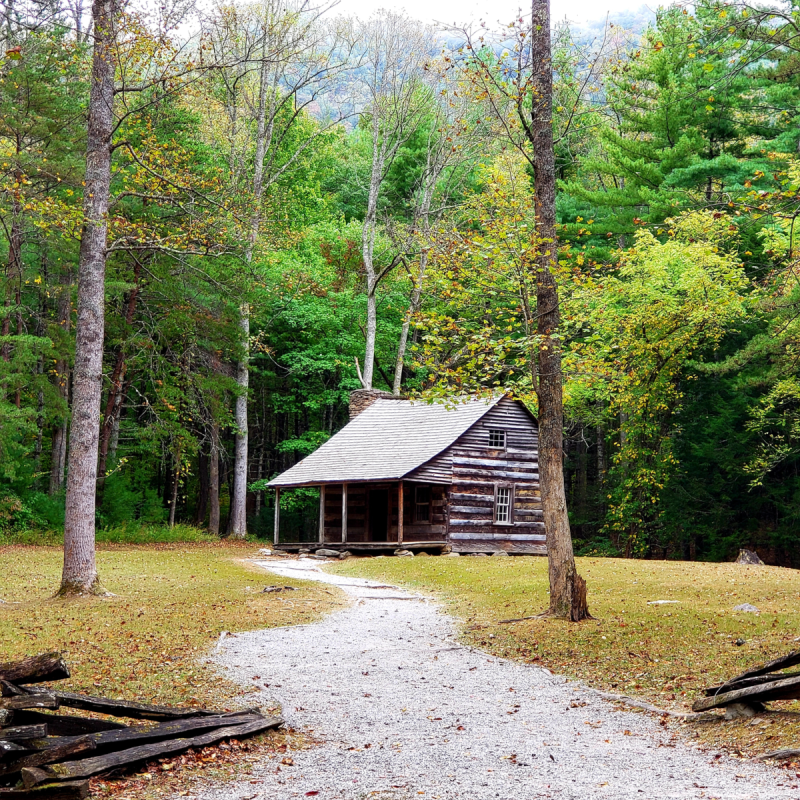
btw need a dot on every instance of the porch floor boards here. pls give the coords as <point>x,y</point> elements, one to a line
<point>355,547</point>
<point>515,549</point>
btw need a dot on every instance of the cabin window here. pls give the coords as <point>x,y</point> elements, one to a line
<point>504,505</point>
<point>497,439</point>
<point>422,504</point>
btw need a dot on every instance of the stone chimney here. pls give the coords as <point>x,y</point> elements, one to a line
<point>362,399</point>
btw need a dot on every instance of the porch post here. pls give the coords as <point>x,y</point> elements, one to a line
<point>344,512</point>
<point>277,513</point>
<point>322,514</point>
<point>400,513</point>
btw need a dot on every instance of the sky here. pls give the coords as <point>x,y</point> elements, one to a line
<point>492,11</point>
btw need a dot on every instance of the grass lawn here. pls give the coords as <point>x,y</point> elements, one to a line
<point>147,643</point>
<point>662,653</point>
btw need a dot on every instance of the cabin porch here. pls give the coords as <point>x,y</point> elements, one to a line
<point>377,515</point>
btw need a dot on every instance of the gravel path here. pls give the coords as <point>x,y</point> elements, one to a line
<point>405,711</point>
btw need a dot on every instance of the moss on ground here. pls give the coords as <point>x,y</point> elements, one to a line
<point>663,653</point>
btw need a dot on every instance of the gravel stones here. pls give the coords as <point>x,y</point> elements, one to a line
<point>403,711</point>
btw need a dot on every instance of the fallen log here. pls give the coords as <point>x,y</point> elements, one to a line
<point>36,669</point>
<point>107,741</point>
<point>125,708</point>
<point>784,662</point>
<point>86,767</point>
<point>786,689</point>
<point>71,790</point>
<point>48,756</point>
<point>38,700</point>
<point>65,725</point>
<point>24,732</point>
<point>6,715</point>
<point>732,686</point>
<point>779,755</point>
<point>10,690</point>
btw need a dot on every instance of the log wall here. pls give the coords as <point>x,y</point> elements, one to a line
<point>477,468</point>
<point>436,529</point>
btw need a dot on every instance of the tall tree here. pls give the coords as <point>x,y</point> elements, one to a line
<point>454,136</point>
<point>289,60</point>
<point>517,88</point>
<point>567,588</point>
<point>80,571</point>
<point>396,50</point>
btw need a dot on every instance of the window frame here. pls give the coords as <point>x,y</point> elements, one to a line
<point>511,498</point>
<point>417,520</point>
<point>504,432</point>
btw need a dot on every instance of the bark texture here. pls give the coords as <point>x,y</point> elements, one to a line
<point>80,571</point>
<point>368,250</point>
<point>238,521</point>
<point>567,588</point>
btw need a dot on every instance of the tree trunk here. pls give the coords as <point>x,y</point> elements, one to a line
<point>237,522</point>
<point>567,588</point>
<point>367,252</point>
<point>582,476</point>
<point>601,455</point>
<point>39,428</point>
<point>176,479</point>
<point>202,489</point>
<point>80,572</point>
<point>260,463</point>
<point>213,482</point>
<point>116,389</point>
<point>416,294</point>
<point>58,458</point>
<point>13,275</point>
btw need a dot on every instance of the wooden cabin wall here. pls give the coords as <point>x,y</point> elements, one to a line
<point>423,532</point>
<point>438,470</point>
<point>333,513</point>
<point>476,470</point>
<point>356,512</point>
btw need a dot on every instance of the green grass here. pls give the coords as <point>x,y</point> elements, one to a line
<point>119,534</point>
<point>148,642</point>
<point>663,653</point>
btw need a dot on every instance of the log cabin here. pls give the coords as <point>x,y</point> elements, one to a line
<point>462,475</point>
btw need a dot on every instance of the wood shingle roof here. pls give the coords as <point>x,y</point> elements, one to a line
<point>386,441</point>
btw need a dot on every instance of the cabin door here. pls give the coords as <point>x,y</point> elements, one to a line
<point>378,514</point>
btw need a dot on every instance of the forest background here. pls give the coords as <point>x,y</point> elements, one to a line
<point>304,203</point>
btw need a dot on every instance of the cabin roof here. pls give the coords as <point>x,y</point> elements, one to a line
<point>387,441</point>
